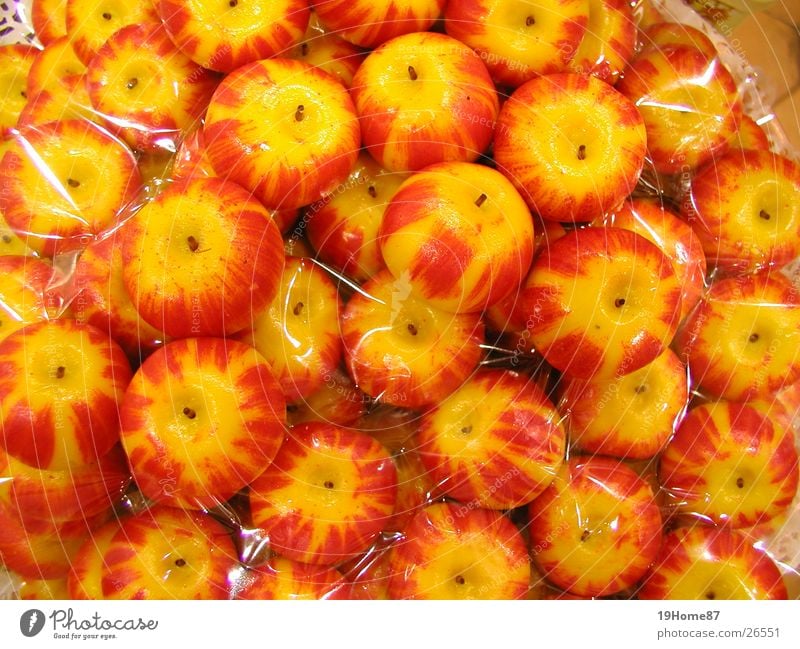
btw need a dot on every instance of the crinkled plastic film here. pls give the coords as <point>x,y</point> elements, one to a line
<point>224,379</point>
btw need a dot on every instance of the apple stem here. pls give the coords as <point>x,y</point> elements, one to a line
<point>24,94</point>
<point>764,215</point>
<point>191,414</point>
<point>412,73</point>
<point>412,329</point>
<point>460,580</point>
<point>585,536</point>
<point>619,302</point>
<point>753,338</point>
<point>73,183</point>
<point>233,3</point>
<point>106,16</point>
<point>180,562</point>
<point>481,200</point>
<point>328,484</point>
<point>298,308</point>
<point>530,21</point>
<point>304,49</point>
<point>60,371</point>
<point>582,152</point>
<point>372,191</point>
<point>298,116</point>
<point>193,244</point>
<point>132,83</point>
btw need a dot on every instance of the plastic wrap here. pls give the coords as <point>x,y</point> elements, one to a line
<point>531,332</point>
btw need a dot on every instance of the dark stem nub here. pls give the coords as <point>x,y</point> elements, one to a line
<point>24,94</point>
<point>298,308</point>
<point>460,580</point>
<point>711,595</point>
<point>292,407</point>
<point>372,191</point>
<point>640,389</point>
<point>233,3</point>
<point>327,484</point>
<point>6,238</point>
<point>412,73</point>
<point>740,483</point>
<point>60,372</point>
<point>765,215</point>
<point>585,536</point>
<point>481,200</point>
<point>299,113</point>
<point>106,16</point>
<point>193,244</point>
<point>190,414</point>
<point>582,152</point>
<point>754,338</point>
<point>619,302</point>
<point>466,430</point>
<point>180,562</point>
<point>412,330</point>
<point>530,20</point>
<point>132,83</point>
<point>73,183</point>
<point>304,49</point>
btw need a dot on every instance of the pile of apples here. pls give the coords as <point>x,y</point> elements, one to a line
<point>375,299</point>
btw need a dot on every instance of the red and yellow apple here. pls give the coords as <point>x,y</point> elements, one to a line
<point>601,302</point>
<point>49,18</point>
<point>202,418</point>
<point>608,44</point>
<point>201,259</point>
<point>404,351</point>
<point>424,98</point>
<point>327,495</point>
<point>730,464</point>
<point>596,529</point>
<point>15,65</point>
<point>284,130</point>
<point>572,145</point>
<point>283,578</point>
<point>708,563</point>
<point>496,442</point>
<point>23,284</point>
<point>460,234</point>
<point>450,551</point>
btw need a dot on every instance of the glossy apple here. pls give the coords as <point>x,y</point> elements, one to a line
<point>707,563</point>
<point>655,221</point>
<point>749,135</point>
<point>496,442</point>
<point>424,98</point>
<point>183,444</point>
<point>201,259</point>
<point>572,145</point>
<point>667,35</point>
<point>519,40</point>
<point>147,90</point>
<point>730,464</point>
<point>65,413</point>
<point>688,102</point>
<point>298,332</point>
<point>166,553</point>
<point>56,65</point>
<point>449,551</point>
<point>745,208</point>
<point>596,529</point>
<point>460,233</point>
<point>369,23</point>
<point>343,227</point>
<point>63,183</point>
<point>632,416</point>
<point>227,35</point>
<point>742,340</point>
<point>404,351</point>
<point>601,302</point>
<point>283,129</point>
<point>327,495</point>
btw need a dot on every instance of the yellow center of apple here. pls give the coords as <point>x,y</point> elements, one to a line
<point>712,580</point>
